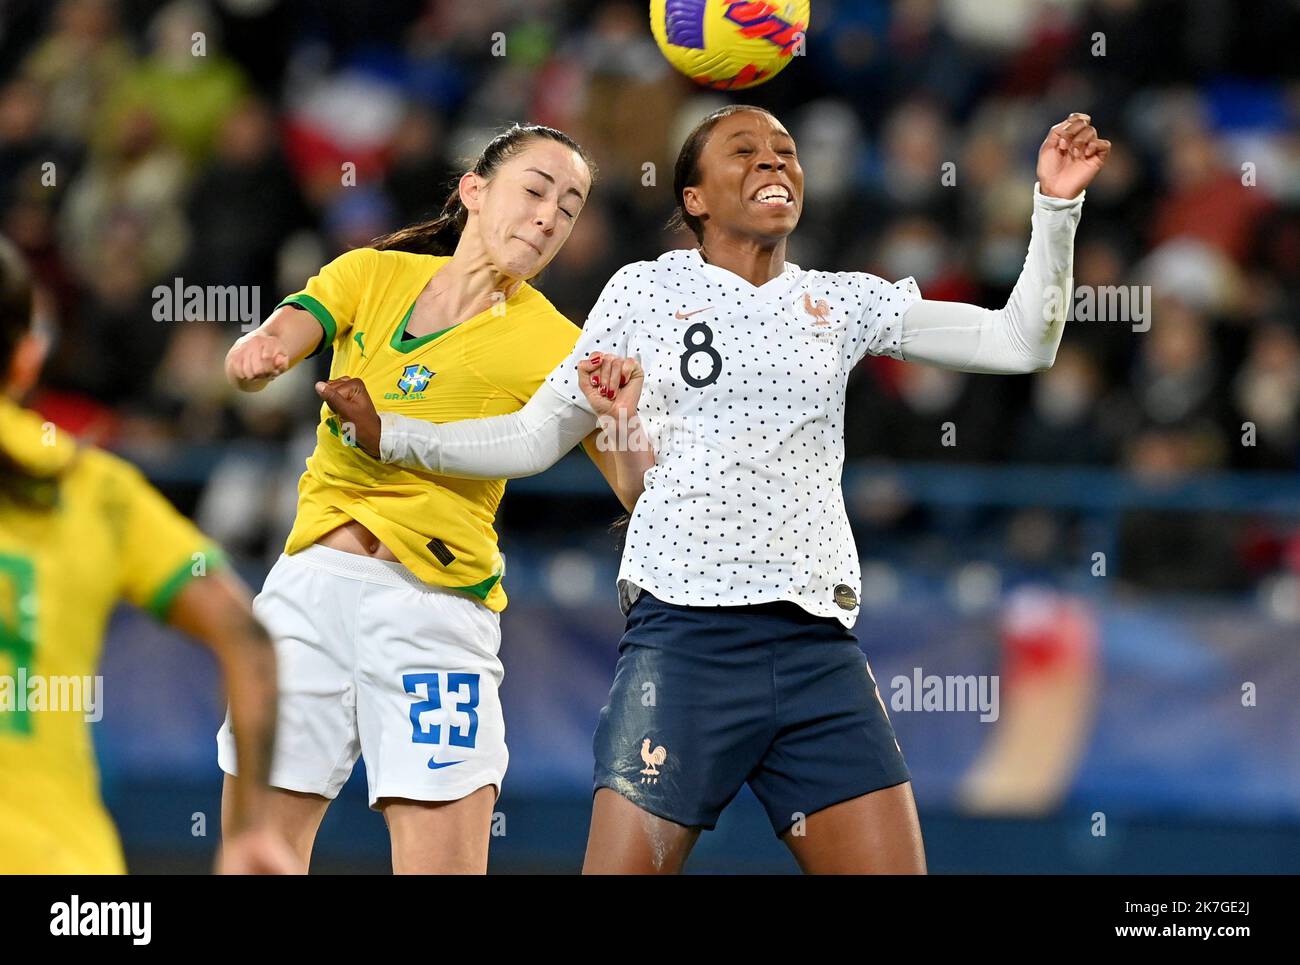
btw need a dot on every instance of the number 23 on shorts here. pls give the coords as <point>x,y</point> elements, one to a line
<point>414,683</point>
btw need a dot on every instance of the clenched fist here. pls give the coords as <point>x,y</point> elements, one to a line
<point>1071,157</point>
<point>255,359</point>
<point>351,402</point>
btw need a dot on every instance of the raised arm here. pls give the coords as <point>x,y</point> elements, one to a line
<point>303,323</point>
<point>1024,335</point>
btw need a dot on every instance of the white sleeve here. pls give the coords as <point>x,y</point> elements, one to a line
<point>522,443</point>
<point>876,327</point>
<point>608,329</point>
<point>1024,335</point>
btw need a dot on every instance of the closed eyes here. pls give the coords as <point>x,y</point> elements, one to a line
<point>537,194</point>
<point>787,151</point>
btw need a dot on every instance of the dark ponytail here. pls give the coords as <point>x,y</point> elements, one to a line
<point>436,237</point>
<point>686,172</point>
<point>17,485</point>
<point>15,303</point>
<point>440,235</point>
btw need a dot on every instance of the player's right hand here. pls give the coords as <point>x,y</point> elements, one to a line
<point>351,402</point>
<point>258,851</point>
<point>255,359</point>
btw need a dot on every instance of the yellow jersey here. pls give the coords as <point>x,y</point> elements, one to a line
<point>439,527</point>
<point>80,530</point>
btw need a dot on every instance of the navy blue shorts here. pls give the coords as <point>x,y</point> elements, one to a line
<point>708,698</point>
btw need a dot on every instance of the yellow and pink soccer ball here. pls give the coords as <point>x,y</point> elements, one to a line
<point>729,44</point>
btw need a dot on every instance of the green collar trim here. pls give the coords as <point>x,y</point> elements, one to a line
<point>411,344</point>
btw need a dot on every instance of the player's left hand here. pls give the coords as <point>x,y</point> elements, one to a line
<point>1070,157</point>
<point>611,383</point>
<point>258,851</point>
<point>351,402</point>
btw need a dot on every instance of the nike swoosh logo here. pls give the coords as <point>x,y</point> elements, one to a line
<point>434,765</point>
<point>681,314</point>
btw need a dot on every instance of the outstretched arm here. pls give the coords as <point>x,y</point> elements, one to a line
<point>1024,335</point>
<point>522,443</point>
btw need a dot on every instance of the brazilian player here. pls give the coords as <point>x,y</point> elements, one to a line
<point>81,530</point>
<point>385,606</point>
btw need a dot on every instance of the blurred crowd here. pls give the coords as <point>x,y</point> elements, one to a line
<point>248,142</point>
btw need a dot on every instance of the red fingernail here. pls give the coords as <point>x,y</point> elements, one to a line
<point>595,380</point>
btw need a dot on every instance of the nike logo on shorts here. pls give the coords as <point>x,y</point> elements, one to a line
<point>434,765</point>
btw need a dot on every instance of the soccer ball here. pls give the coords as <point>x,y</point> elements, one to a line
<point>729,44</point>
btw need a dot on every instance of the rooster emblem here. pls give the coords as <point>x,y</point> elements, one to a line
<point>818,311</point>
<point>652,758</point>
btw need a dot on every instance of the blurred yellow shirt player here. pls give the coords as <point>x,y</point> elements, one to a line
<point>80,531</point>
<point>439,527</point>
<point>109,536</point>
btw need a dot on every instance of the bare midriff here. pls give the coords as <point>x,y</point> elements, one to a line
<point>352,537</point>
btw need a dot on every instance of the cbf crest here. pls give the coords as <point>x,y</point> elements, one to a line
<point>414,380</point>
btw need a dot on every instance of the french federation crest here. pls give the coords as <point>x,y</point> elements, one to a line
<point>414,379</point>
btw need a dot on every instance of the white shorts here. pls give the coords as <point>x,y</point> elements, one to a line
<point>372,661</point>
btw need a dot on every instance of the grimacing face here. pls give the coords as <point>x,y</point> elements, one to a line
<point>749,156</point>
<point>526,210</point>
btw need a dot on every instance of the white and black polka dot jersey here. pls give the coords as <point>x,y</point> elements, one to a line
<point>744,404</point>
